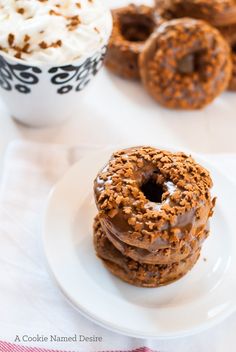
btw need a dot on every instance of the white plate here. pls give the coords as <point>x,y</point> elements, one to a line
<point>202,298</point>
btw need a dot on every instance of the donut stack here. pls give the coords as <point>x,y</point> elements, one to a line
<point>153,212</point>
<point>183,63</point>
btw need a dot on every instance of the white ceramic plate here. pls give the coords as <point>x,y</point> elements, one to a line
<point>202,298</point>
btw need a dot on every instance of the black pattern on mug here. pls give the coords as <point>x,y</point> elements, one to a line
<point>24,75</point>
<point>77,77</point>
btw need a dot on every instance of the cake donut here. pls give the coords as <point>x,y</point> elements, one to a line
<point>185,64</point>
<point>216,12</point>
<point>154,199</point>
<point>133,272</point>
<point>132,26</point>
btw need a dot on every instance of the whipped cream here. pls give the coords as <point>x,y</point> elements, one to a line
<point>53,31</point>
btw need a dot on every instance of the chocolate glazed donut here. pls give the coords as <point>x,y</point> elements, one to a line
<point>216,12</point>
<point>135,273</point>
<point>153,199</point>
<point>132,26</point>
<point>185,64</point>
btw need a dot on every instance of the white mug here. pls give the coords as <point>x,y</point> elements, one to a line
<point>42,95</point>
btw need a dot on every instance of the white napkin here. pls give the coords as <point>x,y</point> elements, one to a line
<point>30,303</point>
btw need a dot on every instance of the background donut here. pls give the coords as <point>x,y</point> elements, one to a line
<point>132,26</point>
<point>216,12</point>
<point>185,64</point>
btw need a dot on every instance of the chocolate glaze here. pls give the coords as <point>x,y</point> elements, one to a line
<point>160,256</point>
<point>187,225</point>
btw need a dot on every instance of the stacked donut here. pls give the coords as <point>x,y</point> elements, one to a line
<point>184,63</point>
<point>153,212</point>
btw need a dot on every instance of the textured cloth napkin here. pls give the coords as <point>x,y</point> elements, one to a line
<point>30,303</point>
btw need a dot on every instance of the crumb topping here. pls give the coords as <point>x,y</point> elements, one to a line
<point>118,191</point>
<point>73,22</point>
<point>11,38</point>
<point>21,10</point>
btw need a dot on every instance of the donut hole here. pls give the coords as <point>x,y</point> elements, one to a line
<point>233,48</point>
<point>153,191</point>
<point>136,27</point>
<point>191,63</point>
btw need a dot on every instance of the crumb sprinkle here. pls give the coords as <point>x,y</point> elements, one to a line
<point>11,39</point>
<point>73,22</point>
<point>56,44</point>
<point>43,45</point>
<point>54,13</point>
<point>21,10</point>
<point>26,38</point>
<point>18,55</point>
